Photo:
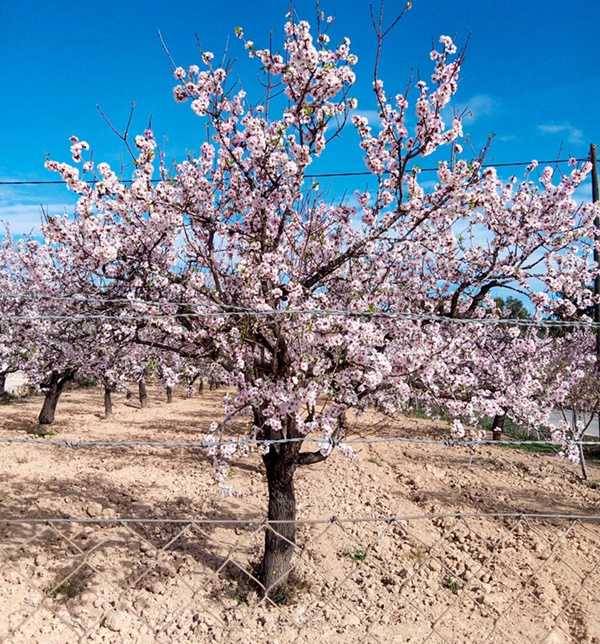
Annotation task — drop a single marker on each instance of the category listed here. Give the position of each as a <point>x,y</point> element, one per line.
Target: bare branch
<point>125,135</point>
<point>166,50</point>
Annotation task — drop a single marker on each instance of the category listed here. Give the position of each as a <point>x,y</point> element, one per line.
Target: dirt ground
<point>406,543</point>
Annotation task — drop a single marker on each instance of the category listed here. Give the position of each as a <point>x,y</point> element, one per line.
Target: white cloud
<point>572,134</point>
<point>20,219</point>
<point>505,138</point>
<point>474,108</point>
<point>477,106</point>
<point>371,115</point>
<point>584,192</point>
<point>25,218</point>
<point>22,206</point>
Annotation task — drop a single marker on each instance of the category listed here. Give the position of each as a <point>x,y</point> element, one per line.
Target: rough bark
<point>108,409</point>
<point>584,471</point>
<point>54,388</point>
<point>280,464</point>
<point>143,393</point>
<point>280,538</point>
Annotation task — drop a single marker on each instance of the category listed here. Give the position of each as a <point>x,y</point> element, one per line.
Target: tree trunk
<point>4,397</point>
<point>169,394</point>
<point>498,426</point>
<point>108,409</point>
<point>54,389</point>
<point>584,472</point>
<point>280,538</point>
<point>143,393</point>
<point>201,386</point>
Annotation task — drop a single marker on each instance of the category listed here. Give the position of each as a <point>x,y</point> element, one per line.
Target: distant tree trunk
<point>54,388</point>
<point>143,393</point>
<point>498,426</point>
<point>4,397</point>
<point>201,386</point>
<point>584,472</point>
<point>108,408</point>
<point>169,394</point>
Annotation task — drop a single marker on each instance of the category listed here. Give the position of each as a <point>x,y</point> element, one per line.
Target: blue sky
<point>530,76</point>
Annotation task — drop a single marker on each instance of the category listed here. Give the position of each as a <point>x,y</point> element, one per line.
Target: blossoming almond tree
<point>12,310</point>
<point>45,341</point>
<point>297,299</point>
<point>43,332</point>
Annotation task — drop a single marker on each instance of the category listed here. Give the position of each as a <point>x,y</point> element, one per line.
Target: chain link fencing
<point>440,579</point>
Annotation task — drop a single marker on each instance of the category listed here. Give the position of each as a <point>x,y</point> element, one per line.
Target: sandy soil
<point>427,575</point>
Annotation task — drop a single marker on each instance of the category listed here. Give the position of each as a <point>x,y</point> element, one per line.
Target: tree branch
<point>310,458</point>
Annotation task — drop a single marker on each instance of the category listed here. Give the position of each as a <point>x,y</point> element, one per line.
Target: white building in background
<point>14,381</point>
<point>556,417</point>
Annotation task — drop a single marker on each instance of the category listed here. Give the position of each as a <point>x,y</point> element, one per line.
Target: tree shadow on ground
<point>42,520</point>
<point>481,489</point>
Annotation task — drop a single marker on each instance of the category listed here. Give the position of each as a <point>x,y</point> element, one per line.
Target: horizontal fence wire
<point>259,520</point>
<point>206,444</point>
<point>259,313</point>
<point>442,578</point>
<point>322,175</point>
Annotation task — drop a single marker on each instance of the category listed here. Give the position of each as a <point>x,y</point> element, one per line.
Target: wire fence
<point>499,576</point>
<point>98,560</point>
<point>189,309</point>
<point>438,578</point>
<point>432,578</point>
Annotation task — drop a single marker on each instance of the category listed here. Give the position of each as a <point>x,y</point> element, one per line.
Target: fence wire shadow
<point>446,578</point>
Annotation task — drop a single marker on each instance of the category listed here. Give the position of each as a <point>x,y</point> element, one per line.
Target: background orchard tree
<point>54,345</point>
<point>47,338</point>
<point>512,308</point>
<point>111,347</point>
<point>313,308</point>
<point>574,368</point>
<point>11,306</point>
